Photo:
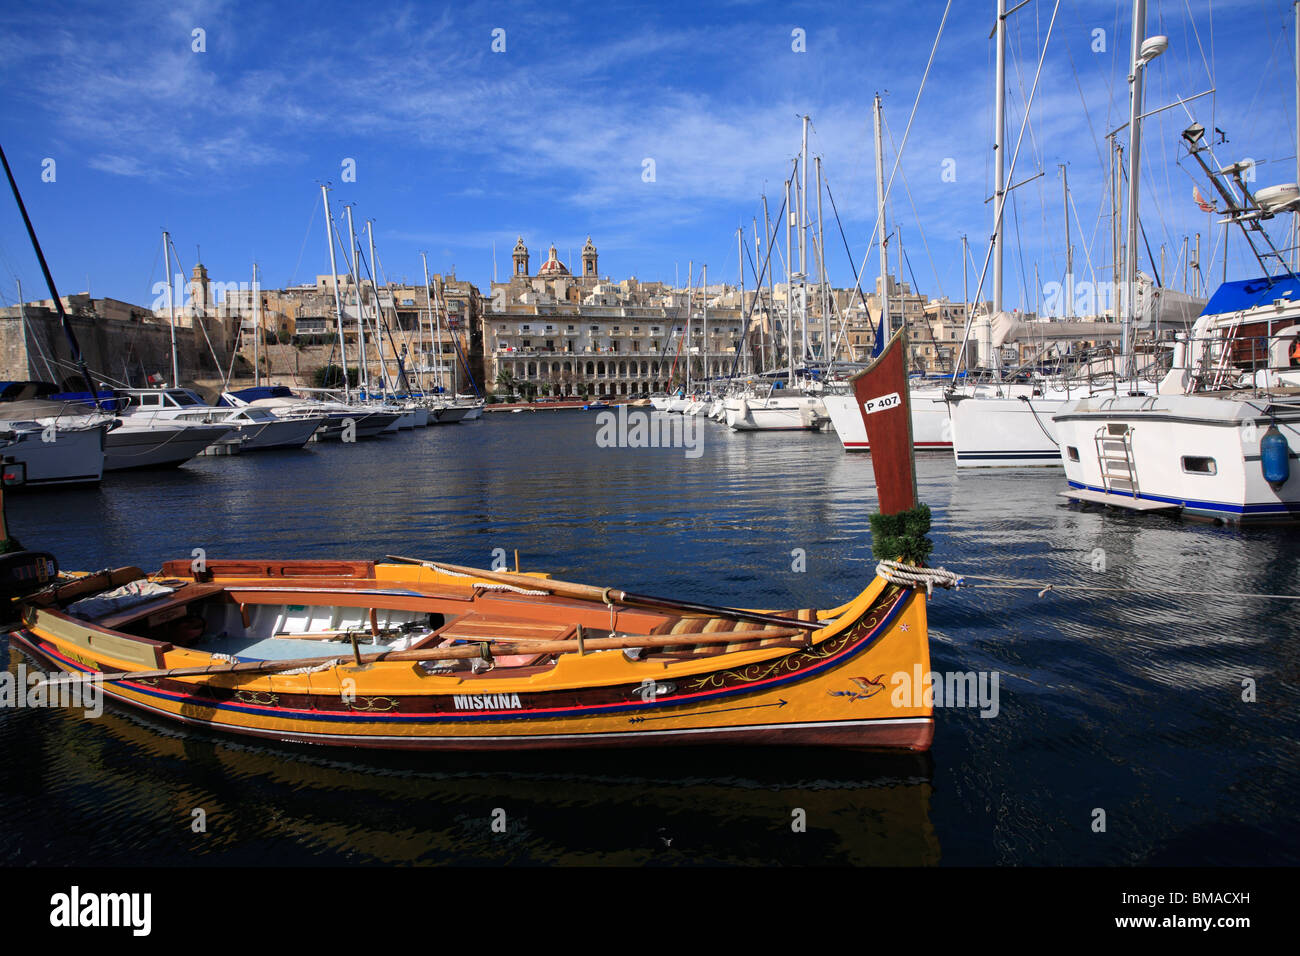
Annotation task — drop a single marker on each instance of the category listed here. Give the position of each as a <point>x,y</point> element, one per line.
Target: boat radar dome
<point>1151,48</point>
<point>1282,198</point>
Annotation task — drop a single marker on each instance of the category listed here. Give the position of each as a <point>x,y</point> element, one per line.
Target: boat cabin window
<point>1199,465</point>
<point>1072,453</point>
<point>181,396</point>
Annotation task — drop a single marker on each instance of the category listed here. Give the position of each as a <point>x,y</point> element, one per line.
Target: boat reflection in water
<point>284,804</point>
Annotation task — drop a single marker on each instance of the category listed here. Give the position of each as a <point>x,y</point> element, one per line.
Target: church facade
<point>557,333</point>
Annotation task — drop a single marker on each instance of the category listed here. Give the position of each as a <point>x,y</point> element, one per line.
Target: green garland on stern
<point>901,536</point>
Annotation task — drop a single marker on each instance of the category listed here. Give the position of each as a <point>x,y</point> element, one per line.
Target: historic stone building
<point>553,332</point>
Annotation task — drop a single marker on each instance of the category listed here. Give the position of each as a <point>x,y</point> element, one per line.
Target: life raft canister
<point>1275,456</point>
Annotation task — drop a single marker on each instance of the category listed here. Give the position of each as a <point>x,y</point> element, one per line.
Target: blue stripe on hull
<point>1213,509</point>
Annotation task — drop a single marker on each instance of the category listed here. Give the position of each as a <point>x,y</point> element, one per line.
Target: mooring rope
<point>1043,588</point>
<point>912,576</point>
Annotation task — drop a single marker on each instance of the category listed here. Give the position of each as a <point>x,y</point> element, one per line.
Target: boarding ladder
<point>1115,459</point>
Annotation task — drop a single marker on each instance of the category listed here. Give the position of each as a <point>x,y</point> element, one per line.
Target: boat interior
<point>257,611</point>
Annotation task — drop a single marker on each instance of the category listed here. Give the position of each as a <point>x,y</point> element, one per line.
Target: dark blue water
<point>1126,703</point>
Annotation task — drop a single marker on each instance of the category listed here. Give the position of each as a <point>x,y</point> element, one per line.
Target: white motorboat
<point>45,443</point>
<point>29,460</point>
<point>157,443</point>
<point>251,428</point>
<point>449,414</point>
<point>341,420</point>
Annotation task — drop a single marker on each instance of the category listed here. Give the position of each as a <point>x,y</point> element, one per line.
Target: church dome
<point>553,266</point>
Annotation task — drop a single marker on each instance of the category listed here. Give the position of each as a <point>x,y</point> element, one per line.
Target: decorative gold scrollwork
<point>374,705</point>
<point>255,697</point>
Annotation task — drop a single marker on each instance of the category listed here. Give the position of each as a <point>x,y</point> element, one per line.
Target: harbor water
<point>1138,722</point>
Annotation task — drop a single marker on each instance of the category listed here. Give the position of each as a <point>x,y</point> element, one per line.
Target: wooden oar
<point>588,592</point>
<point>478,649</point>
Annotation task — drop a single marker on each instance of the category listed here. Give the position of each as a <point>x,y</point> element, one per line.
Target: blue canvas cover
<point>1236,296</point>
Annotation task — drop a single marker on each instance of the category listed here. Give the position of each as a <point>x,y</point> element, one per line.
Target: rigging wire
<point>938,283</point>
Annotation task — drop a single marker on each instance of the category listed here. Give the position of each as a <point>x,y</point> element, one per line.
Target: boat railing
<point>1240,362</point>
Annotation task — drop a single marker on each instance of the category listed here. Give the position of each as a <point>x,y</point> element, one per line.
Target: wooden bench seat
<point>182,596</point>
<point>481,627</point>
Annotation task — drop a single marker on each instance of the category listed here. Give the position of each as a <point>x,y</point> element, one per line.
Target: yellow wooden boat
<point>406,653</point>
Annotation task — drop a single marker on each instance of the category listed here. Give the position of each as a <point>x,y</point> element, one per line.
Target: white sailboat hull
<point>1006,432</point>
<point>930,428</point>
<point>776,414</point>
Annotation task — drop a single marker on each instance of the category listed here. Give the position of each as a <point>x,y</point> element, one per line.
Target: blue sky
<point>457,146</point>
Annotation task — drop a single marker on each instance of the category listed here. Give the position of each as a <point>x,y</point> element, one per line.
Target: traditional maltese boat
<point>421,654</point>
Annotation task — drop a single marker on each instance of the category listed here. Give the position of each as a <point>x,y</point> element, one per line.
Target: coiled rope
<point>909,575</point>
<point>485,587</point>
<point>312,670</point>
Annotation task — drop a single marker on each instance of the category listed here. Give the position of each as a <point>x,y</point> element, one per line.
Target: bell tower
<point>521,258</point>
<point>199,290</point>
<point>589,270</point>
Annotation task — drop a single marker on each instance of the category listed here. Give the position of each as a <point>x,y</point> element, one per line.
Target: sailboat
<point>1012,424</point>
<point>1218,439</point>
<point>410,653</point>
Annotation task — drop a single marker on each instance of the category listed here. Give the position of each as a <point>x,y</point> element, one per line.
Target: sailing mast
<point>1129,296</point>
<point>171,306</point>
<point>363,378</point>
<point>380,325</point>
<point>803,242</point>
<point>338,301</point>
<point>1143,52</point>
<point>1069,250</point>
<point>744,330</point>
<point>821,272</point>
<point>985,347</point>
<point>690,309</point>
<point>257,332</point>
<point>428,303</point>
<point>771,286</point>
<point>885,330</point>
<point>999,159</point>
<point>789,283</point>
<point>704,287</point>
